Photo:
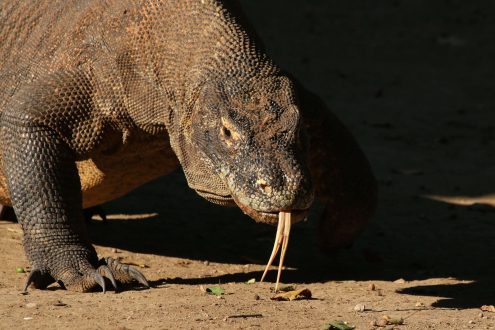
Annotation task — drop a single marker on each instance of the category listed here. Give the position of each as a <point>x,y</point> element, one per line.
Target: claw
<point>281,239</point>
<point>107,273</point>
<point>100,280</point>
<point>127,271</point>
<point>35,273</point>
<point>39,279</point>
<point>135,274</point>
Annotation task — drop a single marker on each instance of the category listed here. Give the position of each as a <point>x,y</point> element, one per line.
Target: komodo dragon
<point>98,97</point>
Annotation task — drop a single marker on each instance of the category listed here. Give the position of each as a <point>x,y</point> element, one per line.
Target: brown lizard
<point>99,97</point>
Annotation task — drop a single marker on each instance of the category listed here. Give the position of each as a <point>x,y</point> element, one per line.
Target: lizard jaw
<point>271,218</point>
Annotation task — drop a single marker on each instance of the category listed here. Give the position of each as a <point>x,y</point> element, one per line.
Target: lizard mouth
<point>272,218</point>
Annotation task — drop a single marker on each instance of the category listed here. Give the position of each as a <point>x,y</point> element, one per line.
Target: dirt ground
<point>411,79</point>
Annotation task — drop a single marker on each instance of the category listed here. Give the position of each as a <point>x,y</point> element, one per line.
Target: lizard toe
<point>74,280</point>
<point>39,279</point>
<point>100,280</point>
<point>124,273</point>
<point>107,273</point>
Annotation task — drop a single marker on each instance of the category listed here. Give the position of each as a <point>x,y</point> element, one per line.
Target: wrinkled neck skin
<point>230,115</point>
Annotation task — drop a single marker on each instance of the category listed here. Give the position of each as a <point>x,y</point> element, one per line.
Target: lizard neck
<point>183,44</point>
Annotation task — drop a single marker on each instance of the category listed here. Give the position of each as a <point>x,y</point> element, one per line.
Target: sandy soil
<point>411,80</point>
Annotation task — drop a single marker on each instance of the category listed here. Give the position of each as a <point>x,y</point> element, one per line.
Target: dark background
<point>414,81</point>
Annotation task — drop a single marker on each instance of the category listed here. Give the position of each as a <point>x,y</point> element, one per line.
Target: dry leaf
<point>488,308</point>
<point>292,295</point>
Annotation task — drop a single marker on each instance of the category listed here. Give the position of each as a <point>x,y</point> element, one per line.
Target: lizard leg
<point>45,189</point>
<point>7,213</point>
<point>344,181</point>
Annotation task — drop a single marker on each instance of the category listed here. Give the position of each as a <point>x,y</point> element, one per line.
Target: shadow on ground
<point>440,242</point>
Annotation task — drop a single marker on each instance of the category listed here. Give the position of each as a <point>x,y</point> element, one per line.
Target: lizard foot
<point>88,279</point>
<point>73,279</point>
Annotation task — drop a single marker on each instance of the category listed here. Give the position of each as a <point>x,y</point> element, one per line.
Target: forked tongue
<point>281,239</point>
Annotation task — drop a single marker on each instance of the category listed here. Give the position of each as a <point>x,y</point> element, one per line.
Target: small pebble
<point>27,318</point>
<point>419,304</point>
<point>359,308</point>
<point>31,305</point>
<point>400,281</point>
<point>206,262</point>
<point>256,297</point>
<point>372,287</point>
<point>480,315</point>
<point>471,322</point>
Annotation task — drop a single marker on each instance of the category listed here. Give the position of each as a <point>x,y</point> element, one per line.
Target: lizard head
<point>249,134</point>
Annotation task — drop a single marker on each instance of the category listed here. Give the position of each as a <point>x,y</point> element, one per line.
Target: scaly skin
<point>99,97</point>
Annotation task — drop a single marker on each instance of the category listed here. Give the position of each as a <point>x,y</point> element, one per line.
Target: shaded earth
<point>411,79</point>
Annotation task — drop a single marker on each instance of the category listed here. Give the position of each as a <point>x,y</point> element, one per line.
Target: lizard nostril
<point>265,187</point>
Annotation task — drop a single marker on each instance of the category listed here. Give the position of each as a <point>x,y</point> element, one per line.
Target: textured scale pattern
<point>99,97</point>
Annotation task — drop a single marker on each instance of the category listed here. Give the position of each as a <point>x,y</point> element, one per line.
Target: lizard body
<point>99,97</point>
